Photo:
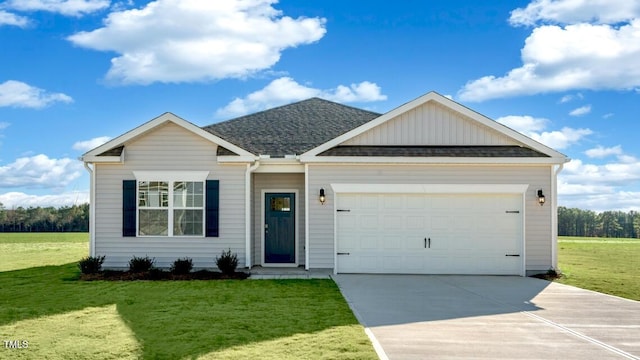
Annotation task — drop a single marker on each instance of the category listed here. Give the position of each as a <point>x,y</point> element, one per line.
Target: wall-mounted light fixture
<point>322,197</point>
<point>541,198</point>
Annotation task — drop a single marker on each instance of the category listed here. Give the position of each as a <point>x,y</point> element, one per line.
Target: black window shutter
<point>212,217</point>
<point>129,208</point>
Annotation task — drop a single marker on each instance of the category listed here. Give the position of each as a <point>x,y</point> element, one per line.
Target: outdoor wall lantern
<point>322,197</point>
<point>541,198</point>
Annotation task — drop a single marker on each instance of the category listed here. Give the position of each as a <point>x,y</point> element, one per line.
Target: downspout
<point>306,216</point>
<point>92,209</point>
<point>247,209</point>
<point>554,218</point>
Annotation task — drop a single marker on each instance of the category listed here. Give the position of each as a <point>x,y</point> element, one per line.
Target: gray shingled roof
<point>291,129</point>
<point>433,151</point>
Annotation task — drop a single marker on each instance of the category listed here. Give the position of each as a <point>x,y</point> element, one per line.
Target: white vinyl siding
<point>537,222</point>
<point>169,148</point>
<point>262,181</point>
<point>431,124</point>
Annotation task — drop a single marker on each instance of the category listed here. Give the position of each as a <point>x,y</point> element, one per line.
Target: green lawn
<point>610,266</point>
<point>25,250</point>
<point>63,318</point>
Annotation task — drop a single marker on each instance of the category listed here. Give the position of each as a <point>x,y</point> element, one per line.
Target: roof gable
<point>433,120</point>
<point>431,124</point>
<point>114,149</point>
<point>291,129</point>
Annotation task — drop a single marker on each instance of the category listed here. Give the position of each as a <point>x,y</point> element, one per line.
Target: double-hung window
<point>172,207</point>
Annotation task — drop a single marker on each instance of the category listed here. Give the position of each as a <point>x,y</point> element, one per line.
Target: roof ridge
<point>291,104</point>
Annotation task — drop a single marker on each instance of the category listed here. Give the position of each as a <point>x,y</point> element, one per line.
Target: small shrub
<point>91,264</point>
<point>182,266</point>
<point>141,264</point>
<point>227,262</point>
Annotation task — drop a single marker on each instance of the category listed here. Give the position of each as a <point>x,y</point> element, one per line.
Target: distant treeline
<point>48,219</point>
<point>571,221</point>
<point>618,224</point>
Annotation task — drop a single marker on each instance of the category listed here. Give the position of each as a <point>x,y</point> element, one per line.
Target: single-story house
<point>430,187</point>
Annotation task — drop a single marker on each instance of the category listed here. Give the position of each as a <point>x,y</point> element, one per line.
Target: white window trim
<point>171,177</point>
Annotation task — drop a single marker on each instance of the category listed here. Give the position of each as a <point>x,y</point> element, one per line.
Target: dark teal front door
<point>280,228</point>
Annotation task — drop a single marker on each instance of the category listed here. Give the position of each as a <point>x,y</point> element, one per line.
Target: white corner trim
<point>306,217</point>
<point>247,213</point>
<point>171,175</point>
<point>431,188</point>
<point>92,208</point>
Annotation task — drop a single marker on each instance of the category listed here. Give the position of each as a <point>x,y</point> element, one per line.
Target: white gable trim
<point>433,96</point>
<point>92,155</point>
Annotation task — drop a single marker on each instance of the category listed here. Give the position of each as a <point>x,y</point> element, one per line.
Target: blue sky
<point>75,73</point>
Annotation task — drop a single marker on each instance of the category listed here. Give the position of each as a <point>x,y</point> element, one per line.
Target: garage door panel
<point>393,222</point>
<point>469,234</point>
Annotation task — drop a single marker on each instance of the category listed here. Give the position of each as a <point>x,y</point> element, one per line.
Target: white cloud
<point>524,124</point>
<point>608,186</point>
<point>7,18</point>
<point>40,171</point>
<point>286,90</point>
<point>561,139</point>
<point>64,7</point>
<point>193,40</point>
<point>574,11</point>
<point>87,145</point>
<point>593,45</point>
<point>607,115</point>
<point>532,127</point>
<point>16,199</point>
<point>583,110</point>
<point>569,97</point>
<point>600,152</point>
<point>4,125</point>
<point>18,94</point>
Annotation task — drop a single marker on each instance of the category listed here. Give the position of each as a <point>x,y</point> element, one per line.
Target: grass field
<point>25,250</point>
<point>63,318</point>
<point>606,265</point>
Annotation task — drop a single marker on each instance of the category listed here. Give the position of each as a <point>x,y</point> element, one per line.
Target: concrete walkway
<point>491,317</point>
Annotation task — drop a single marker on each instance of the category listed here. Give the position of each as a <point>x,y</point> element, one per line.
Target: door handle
<point>427,243</point>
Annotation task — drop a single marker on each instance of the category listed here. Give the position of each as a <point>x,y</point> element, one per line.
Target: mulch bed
<point>550,276</point>
<point>157,274</point>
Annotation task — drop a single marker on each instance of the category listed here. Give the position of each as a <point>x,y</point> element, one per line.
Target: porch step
<point>259,273</point>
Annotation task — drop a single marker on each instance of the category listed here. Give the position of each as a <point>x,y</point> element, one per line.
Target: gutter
<point>247,211</point>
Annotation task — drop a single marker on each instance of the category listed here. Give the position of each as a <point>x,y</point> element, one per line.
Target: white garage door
<point>430,234</point>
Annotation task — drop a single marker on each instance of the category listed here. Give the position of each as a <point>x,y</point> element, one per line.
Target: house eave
<point>235,159</point>
<point>431,160</point>
<point>92,159</point>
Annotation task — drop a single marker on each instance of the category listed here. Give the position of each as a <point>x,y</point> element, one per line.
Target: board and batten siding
<point>278,181</point>
<point>432,124</point>
<point>537,222</point>
<point>168,148</point>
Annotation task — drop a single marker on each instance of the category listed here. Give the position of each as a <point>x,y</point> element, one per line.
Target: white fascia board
<point>164,118</point>
<point>280,168</point>
<point>442,100</point>
<point>431,188</point>
<point>103,159</point>
<point>171,175</point>
<point>230,159</point>
<point>428,160</point>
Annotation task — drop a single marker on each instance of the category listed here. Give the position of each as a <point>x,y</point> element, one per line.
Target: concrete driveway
<point>490,317</point>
